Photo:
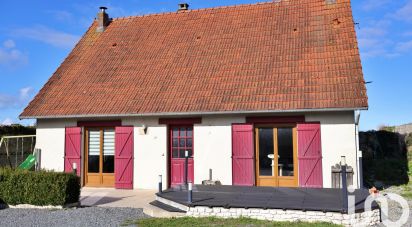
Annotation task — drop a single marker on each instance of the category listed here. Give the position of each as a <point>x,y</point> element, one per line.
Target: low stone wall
<point>358,219</point>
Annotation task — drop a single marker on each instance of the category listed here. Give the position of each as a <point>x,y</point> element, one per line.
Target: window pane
<point>266,151</point>
<point>94,142</point>
<point>175,132</point>
<point>183,132</point>
<point>108,164</point>
<point>285,151</point>
<point>93,163</point>
<point>189,132</point>
<point>182,142</point>
<point>94,151</point>
<point>175,143</point>
<point>188,142</point>
<point>175,153</point>
<point>182,153</point>
<point>108,142</point>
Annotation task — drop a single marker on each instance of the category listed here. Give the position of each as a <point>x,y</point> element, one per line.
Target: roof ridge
<point>196,10</point>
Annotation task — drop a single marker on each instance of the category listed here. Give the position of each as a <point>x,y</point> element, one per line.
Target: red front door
<point>181,140</point>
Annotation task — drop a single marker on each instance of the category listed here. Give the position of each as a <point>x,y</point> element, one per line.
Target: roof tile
<point>287,55</point>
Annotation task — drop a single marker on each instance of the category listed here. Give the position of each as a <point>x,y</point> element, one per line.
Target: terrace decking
<point>304,199</point>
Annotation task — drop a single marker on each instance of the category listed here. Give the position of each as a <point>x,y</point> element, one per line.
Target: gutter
<point>189,113</point>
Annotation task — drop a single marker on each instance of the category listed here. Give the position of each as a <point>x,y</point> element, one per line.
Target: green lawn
<point>212,221</point>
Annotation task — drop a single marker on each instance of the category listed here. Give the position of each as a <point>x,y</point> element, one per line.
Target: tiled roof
<point>273,56</point>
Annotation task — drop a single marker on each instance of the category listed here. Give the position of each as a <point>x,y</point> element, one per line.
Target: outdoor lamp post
<point>160,183</point>
<point>360,170</point>
<point>189,193</point>
<point>74,167</point>
<point>186,166</point>
<point>344,185</point>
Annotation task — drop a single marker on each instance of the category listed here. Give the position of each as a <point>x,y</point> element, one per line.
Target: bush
<point>386,171</point>
<point>17,130</point>
<point>38,188</point>
<point>408,139</point>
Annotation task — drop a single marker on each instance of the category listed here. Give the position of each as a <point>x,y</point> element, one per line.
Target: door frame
<point>278,181</point>
<point>86,158</point>
<point>169,149</point>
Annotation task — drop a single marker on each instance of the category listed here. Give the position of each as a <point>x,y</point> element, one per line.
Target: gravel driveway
<point>89,216</point>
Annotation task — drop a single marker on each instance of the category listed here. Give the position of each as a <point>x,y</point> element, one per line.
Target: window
<point>101,150</point>
<point>181,141</point>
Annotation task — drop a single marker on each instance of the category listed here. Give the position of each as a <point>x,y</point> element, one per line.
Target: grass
<point>407,188</point>
<point>218,222</point>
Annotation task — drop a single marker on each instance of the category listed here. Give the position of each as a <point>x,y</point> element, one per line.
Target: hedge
<point>38,188</point>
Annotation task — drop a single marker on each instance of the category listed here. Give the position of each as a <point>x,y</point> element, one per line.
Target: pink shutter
<point>310,155</point>
<point>123,164</point>
<point>72,149</point>
<point>243,155</point>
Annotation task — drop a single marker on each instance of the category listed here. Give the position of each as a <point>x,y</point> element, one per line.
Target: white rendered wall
<point>338,139</point>
<point>50,135</point>
<point>213,148</point>
<point>150,153</point>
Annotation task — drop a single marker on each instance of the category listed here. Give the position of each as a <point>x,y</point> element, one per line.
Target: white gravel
<point>89,216</point>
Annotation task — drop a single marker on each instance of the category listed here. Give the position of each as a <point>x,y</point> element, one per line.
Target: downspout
<point>358,164</point>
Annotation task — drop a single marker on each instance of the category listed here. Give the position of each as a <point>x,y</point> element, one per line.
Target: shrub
<point>38,188</point>
<point>387,171</point>
<point>408,139</point>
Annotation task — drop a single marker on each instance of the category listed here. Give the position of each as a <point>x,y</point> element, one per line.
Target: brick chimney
<point>102,19</point>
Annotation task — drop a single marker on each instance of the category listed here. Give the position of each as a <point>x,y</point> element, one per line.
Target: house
<point>263,94</point>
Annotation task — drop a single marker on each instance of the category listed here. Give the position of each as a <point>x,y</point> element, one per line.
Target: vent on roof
<point>183,6</point>
<point>102,19</point>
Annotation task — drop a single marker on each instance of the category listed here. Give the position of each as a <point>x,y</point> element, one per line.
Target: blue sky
<point>36,36</point>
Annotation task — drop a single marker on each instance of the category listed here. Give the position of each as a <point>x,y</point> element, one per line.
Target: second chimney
<point>183,7</point>
<point>102,19</point>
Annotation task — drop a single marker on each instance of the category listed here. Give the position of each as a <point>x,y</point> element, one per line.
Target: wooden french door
<point>276,156</point>
<point>99,157</point>
<point>181,140</point>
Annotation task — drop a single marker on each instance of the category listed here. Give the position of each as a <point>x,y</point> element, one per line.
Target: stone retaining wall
<point>358,219</point>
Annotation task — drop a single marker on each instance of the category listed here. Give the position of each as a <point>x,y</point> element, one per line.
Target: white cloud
<point>405,13</point>
<point>7,121</point>
<point>61,15</point>
<point>373,40</point>
<point>47,35</point>
<point>15,101</point>
<point>404,46</point>
<point>373,4</point>
<point>8,44</point>
<point>381,39</point>
<point>10,57</point>
<point>25,93</point>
